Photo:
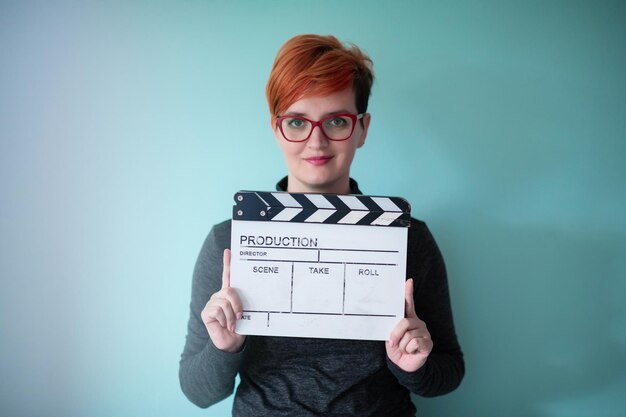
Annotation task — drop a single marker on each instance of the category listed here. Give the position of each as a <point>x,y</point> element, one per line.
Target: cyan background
<point>126,127</point>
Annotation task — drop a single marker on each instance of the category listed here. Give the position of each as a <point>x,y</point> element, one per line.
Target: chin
<point>323,186</point>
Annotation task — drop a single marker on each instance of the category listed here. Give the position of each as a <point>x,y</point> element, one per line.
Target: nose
<point>318,139</point>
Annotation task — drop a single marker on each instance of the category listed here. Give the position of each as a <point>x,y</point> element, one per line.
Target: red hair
<point>315,65</point>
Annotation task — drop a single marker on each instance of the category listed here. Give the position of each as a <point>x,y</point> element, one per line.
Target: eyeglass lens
<point>335,128</point>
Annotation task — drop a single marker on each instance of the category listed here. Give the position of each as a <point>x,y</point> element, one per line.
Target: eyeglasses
<point>336,127</point>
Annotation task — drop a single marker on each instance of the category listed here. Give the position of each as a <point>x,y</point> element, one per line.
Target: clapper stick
<point>319,265</point>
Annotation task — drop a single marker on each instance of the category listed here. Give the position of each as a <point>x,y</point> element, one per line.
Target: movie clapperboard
<point>319,265</point>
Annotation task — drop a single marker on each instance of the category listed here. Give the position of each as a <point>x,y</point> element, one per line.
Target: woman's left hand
<point>409,343</point>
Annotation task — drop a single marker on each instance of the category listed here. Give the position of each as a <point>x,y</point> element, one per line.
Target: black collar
<point>354,187</point>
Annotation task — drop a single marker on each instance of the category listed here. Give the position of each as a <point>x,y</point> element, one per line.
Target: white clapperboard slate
<point>319,265</point>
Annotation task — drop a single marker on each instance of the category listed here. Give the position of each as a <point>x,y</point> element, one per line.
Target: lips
<point>319,160</point>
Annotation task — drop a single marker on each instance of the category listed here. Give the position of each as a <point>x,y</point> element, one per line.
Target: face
<point>320,165</point>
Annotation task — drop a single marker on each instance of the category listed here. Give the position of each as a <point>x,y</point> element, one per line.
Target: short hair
<point>316,65</point>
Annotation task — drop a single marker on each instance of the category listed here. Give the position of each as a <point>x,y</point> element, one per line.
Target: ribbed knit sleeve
<point>207,374</point>
<point>444,369</point>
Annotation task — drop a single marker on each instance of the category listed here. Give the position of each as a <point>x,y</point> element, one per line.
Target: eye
<point>295,123</point>
<point>337,122</point>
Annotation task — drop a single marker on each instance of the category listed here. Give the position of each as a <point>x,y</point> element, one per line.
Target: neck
<point>339,187</point>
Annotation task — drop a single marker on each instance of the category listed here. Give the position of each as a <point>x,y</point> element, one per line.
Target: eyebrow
<point>342,111</point>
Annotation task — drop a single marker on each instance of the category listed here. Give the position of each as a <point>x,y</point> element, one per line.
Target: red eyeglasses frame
<point>319,123</point>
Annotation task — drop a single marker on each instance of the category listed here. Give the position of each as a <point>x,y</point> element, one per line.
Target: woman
<point>318,93</point>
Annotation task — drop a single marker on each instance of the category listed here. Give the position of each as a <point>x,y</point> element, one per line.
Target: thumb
<point>226,270</point>
<point>409,303</point>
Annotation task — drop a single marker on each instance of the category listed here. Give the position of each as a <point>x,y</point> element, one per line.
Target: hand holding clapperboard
<point>319,265</point>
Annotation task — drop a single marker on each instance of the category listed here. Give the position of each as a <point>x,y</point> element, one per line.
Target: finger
<point>415,342</point>
<point>231,317</point>
<point>226,269</point>
<point>233,297</point>
<point>229,313</point>
<point>409,303</point>
<point>409,343</point>
<point>398,332</point>
<point>213,313</point>
<point>404,340</point>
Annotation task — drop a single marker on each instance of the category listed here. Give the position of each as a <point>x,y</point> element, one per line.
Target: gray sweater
<point>283,376</point>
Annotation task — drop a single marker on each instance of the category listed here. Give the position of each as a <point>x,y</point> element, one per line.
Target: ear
<point>367,118</point>
<point>275,130</point>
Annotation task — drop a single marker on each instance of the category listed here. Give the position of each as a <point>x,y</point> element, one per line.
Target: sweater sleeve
<point>444,369</point>
<point>207,374</point>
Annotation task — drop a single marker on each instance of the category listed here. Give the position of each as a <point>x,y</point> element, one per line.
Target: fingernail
<point>239,316</point>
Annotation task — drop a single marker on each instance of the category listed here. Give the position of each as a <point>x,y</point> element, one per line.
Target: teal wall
<point>126,127</point>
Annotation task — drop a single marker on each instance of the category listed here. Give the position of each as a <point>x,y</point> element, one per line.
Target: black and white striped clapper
<point>322,208</point>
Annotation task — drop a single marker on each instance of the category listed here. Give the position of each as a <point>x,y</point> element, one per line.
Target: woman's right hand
<point>221,313</point>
